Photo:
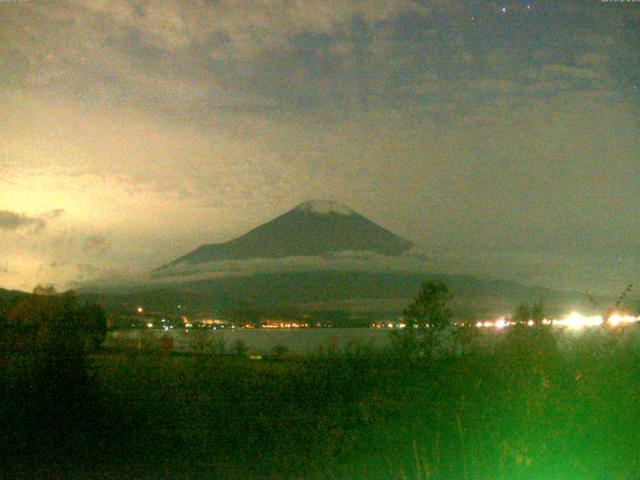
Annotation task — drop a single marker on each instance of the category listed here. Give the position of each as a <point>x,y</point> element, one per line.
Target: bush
<point>280,351</point>
<point>240,348</point>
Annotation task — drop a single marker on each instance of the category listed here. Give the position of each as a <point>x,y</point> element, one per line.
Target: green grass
<point>524,409</point>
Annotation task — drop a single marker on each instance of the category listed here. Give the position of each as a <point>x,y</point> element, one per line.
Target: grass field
<point>526,405</point>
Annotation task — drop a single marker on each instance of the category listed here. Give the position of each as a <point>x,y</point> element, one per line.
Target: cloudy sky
<point>505,136</point>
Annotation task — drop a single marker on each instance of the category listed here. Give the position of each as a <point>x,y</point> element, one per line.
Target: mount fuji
<point>315,228</point>
<point>319,256</point>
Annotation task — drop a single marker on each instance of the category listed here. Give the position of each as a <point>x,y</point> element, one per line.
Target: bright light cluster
<point>573,321</point>
<point>576,321</point>
<point>499,323</point>
<point>616,319</point>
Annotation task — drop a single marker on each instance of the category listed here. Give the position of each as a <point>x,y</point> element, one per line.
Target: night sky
<point>503,136</point>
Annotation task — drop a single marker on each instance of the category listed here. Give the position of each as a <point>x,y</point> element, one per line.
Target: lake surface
<point>262,341</point>
<point>314,340</point>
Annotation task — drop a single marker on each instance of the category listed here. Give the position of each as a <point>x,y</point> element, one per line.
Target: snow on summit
<point>324,207</point>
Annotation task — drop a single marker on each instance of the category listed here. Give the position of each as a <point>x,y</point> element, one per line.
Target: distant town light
<point>576,321</point>
<point>616,319</point>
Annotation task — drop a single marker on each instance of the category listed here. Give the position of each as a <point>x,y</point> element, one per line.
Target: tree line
<point>46,321</point>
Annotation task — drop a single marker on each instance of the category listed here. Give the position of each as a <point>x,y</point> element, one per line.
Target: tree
<point>537,312</point>
<point>45,290</point>
<point>522,313</point>
<point>430,307</point>
<point>46,320</point>
<point>93,325</point>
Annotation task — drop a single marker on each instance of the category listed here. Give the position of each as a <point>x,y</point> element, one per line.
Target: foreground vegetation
<point>527,404</point>
<point>440,403</point>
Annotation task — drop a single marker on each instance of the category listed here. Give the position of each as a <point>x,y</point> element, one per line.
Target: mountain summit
<point>313,228</point>
<point>324,207</point>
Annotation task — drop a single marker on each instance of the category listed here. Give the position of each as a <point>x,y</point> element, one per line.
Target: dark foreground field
<point>530,406</point>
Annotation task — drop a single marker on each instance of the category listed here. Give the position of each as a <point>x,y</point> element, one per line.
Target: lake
<point>261,341</point>
<point>312,340</point>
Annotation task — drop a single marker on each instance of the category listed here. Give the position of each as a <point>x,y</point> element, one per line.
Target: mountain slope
<point>313,228</point>
<point>305,292</point>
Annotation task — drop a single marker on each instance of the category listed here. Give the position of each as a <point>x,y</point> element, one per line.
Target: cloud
<point>279,54</point>
<point>58,212</point>
<point>592,60</point>
<point>241,27</point>
<point>563,72</point>
<point>96,244</point>
<point>88,275</point>
<point>12,221</point>
<point>57,264</point>
<point>88,271</point>
<point>491,87</point>
<point>163,50</point>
